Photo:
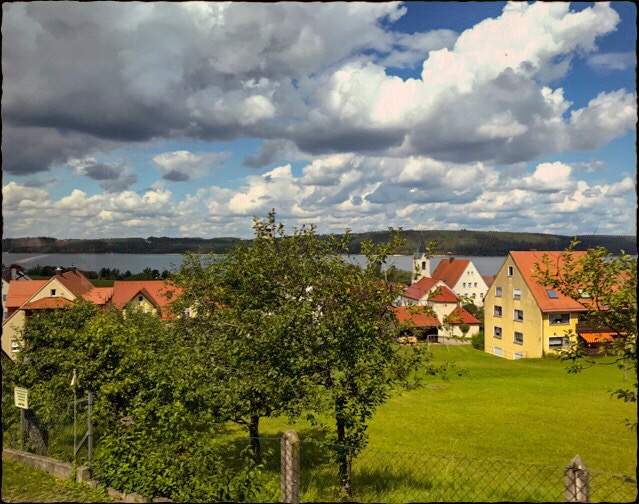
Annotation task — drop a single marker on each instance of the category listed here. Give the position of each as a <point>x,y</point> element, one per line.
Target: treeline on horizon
<point>458,242</point>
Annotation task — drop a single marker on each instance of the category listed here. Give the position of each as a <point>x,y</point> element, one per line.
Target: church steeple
<point>421,262</point>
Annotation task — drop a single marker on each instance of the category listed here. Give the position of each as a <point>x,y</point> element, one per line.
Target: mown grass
<point>530,412</point>
<point>22,483</point>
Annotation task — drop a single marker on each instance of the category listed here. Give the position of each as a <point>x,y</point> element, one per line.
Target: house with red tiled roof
<point>524,319</point>
<point>462,277</point>
<point>442,305</point>
<point>64,288</point>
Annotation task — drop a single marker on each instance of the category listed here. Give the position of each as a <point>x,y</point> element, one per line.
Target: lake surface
<point>137,262</point>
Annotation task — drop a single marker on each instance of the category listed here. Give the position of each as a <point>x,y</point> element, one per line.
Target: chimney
<point>451,259</point>
<point>73,268</point>
<point>58,271</point>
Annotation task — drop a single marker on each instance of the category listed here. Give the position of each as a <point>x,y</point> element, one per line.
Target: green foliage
<point>291,327</point>
<point>464,328</point>
<point>607,286</point>
<point>477,340</point>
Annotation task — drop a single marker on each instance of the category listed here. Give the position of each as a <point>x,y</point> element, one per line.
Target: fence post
<point>576,481</point>
<point>90,427</point>
<point>290,467</point>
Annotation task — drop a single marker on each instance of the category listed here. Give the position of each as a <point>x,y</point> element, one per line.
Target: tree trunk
<point>254,433</point>
<point>342,460</point>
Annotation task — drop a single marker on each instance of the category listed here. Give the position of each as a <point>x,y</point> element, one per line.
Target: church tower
<point>421,262</point>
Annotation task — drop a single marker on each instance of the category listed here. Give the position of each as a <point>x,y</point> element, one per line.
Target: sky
<point>189,119</point>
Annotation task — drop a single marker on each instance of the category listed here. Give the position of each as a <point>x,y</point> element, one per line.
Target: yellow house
<point>523,319</point>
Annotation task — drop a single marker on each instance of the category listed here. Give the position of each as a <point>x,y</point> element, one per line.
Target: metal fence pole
<point>22,429</point>
<point>290,467</point>
<point>576,481</point>
<point>90,427</point>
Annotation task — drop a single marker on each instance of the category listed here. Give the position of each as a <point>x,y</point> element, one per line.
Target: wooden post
<point>576,481</point>
<point>90,427</point>
<point>290,467</point>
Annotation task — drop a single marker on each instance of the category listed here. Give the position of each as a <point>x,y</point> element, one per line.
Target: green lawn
<point>529,411</point>
<point>22,483</point>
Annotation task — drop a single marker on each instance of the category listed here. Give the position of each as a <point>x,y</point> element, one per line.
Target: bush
<point>478,340</point>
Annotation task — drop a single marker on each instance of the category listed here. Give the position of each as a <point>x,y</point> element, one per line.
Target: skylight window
<point>551,293</point>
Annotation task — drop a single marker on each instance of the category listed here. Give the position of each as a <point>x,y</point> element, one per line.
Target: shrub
<point>478,340</point>
<point>464,328</point>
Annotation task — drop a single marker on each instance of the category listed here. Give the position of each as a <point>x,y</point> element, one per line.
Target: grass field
<point>529,412</point>
<point>21,483</point>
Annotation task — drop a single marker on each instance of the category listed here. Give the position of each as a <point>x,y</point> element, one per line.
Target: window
<point>519,315</point>
<point>551,293</point>
<point>497,332</point>
<point>497,351</point>
<point>423,265</point>
<point>52,292</point>
<point>497,311</point>
<point>510,271</point>
<point>475,284</point>
<point>518,355</point>
<point>559,318</point>
<point>464,285</point>
<point>498,291</point>
<point>15,345</point>
<point>516,293</point>
<point>555,342</point>
<point>140,298</point>
<point>519,338</point>
<point>481,295</point>
<point>4,298</point>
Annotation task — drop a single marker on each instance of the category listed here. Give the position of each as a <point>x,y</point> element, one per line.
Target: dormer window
<point>52,292</point>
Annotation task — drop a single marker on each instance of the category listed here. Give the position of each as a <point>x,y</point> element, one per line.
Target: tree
<point>606,285</point>
<point>292,327</point>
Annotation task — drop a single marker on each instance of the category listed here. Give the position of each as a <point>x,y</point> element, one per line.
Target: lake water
<point>137,262</point>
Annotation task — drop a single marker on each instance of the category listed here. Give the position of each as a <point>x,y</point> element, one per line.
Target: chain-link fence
<point>54,432</point>
<point>385,476</point>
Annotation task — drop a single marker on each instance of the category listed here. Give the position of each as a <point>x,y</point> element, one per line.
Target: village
<point>520,317</point>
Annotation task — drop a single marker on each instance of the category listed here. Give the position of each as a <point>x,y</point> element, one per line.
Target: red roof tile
<point>445,295</point>
<point>489,279</point>
<point>75,281</point>
<point>461,316</point>
<point>48,304</point>
<point>418,315</point>
<point>525,263</point>
<point>99,295</point>
<point>21,291</point>
<point>450,270</point>
<point>155,290</point>
<point>418,289</point>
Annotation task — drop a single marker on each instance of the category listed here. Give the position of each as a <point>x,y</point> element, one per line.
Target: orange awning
<point>596,337</point>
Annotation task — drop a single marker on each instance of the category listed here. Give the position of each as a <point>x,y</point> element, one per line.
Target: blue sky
<point>155,119</point>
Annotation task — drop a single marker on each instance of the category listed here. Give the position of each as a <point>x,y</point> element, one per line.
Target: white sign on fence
<point>21,397</point>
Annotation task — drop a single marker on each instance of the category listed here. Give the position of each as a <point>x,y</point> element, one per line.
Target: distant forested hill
<point>479,243</point>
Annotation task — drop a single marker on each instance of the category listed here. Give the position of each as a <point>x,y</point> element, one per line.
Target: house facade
<point>462,277</point>
<point>523,319</point>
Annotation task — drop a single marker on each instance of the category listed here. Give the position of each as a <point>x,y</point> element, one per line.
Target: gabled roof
<point>418,315</point>
<point>21,291</point>
<point>75,281</point>
<point>461,316</point>
<point>50,303</point>
<point>155,291</point>
<point>445,295</point>
<point>450,270</point>
<point>525,262</point>
<point>418,289</point>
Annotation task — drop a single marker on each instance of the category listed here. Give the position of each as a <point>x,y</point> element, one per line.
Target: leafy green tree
<point>294,327</point>
<point>607,286</point>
